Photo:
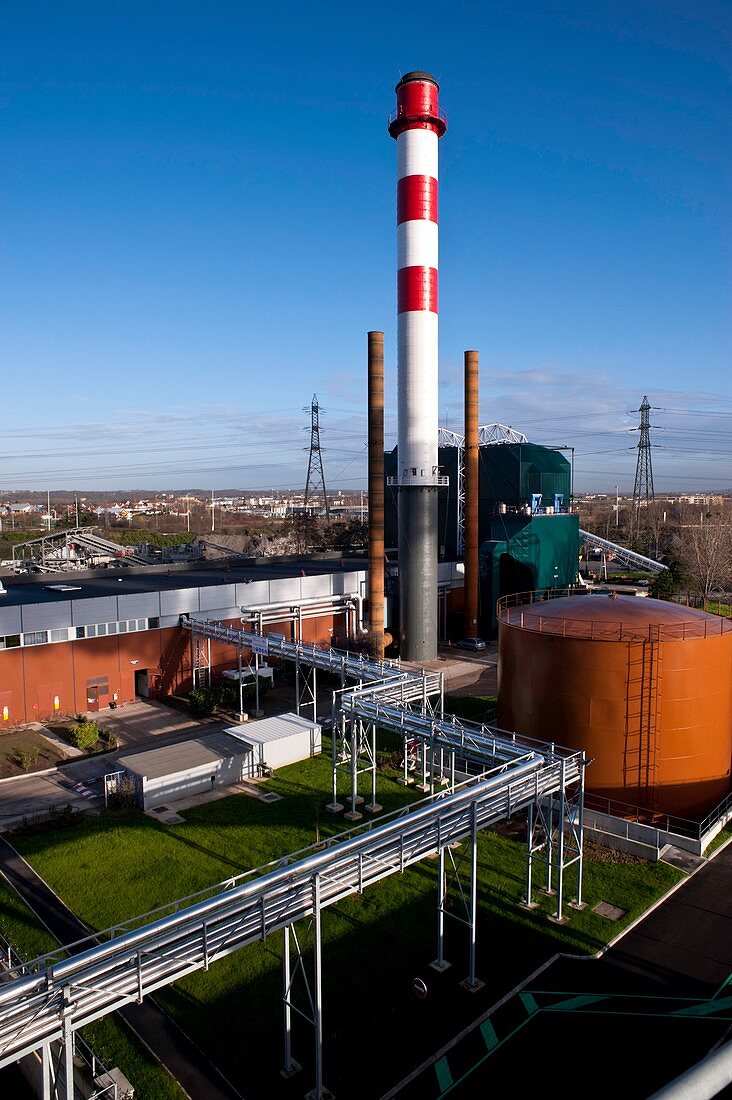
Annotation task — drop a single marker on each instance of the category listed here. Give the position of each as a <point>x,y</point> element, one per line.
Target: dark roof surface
<point>129,581</point>
<point>614,617</point>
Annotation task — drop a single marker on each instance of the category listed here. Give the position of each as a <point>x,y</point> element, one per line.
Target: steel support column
<point>338,735</point>
<point>561,815</point>
<point>306,688</point>
<point>68,1055</point>
<point>353,814</point>
<point>472,983</point>
<point>373,806</point>
<point>554,833</point>
<point>290,1066</point>
<point>47,1069</point>
<point>440,964</point>
<point>528,902</point>
<point>241,686</point>
<point>319,1092</point>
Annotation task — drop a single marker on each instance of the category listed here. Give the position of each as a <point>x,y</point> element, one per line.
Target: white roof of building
<point>182,757</point>
<point>272,729</point>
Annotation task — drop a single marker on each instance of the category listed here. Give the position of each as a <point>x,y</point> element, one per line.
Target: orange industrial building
<point>78,642</point>
<point>643,686</point>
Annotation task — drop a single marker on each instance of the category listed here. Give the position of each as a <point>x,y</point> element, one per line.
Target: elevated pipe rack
<point>64,990</point>
<point>55,995</point>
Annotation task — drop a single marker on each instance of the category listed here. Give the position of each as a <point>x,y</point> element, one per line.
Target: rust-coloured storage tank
<point>643,686</point>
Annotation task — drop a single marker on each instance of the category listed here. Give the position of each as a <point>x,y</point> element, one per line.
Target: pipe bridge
<point>53,996</point>
<point>47,1000</point>
<point>389,696</point>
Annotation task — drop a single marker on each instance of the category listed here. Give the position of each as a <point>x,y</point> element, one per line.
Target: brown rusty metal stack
<point>376,490</point>
<point>471,494</point>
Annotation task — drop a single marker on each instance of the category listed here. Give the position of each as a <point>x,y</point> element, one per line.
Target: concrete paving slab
<point>467,673</point>
<point>139,723</point>
<point>677,857</point>
<point>166,815</point>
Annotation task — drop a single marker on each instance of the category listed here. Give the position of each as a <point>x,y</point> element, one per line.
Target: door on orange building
<point>50,701</point>
<point>92,697</point>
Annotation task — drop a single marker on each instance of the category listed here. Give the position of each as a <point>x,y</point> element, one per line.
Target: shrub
<point>204,700</point>
<point>125,796</point>
<point>108,739</point>
<point>83,735</point>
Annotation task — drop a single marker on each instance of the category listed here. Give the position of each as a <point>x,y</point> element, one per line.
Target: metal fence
<point>664,822</point>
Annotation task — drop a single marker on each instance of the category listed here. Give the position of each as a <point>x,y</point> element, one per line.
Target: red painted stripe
<point>418,109</point>
<point>416,199</point>
<point>416,289</point>
<point>418,98</point>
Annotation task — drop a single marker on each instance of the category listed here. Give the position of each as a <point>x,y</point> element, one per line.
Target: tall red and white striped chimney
<point>417,124</point>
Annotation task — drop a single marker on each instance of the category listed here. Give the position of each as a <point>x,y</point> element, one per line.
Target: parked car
<point>471,643</point>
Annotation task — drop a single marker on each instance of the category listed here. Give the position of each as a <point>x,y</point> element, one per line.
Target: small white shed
<point>274,742</point>
<point>188,768</point>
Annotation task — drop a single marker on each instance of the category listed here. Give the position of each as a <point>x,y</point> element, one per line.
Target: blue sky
<point>198,208</point>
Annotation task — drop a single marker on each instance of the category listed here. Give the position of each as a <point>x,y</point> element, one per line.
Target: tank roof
<point>608,617</point>
<point>416,75</point>
<point>603,607</point>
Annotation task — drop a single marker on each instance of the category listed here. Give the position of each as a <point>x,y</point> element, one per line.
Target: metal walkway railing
<point>386,692</point>
<point>58,995</point>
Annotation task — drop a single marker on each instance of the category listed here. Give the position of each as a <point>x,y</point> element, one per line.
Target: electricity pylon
<point>643,496</point>
<point>315,482</point>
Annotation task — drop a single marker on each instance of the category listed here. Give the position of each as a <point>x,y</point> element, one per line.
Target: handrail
<point>606,630</point>
<point>425,116</point>
<point>12,961</point>
<point>73,991</point>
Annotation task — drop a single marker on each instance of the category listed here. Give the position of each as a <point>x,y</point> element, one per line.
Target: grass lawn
<point>475,708</point>
<point>721,838</point>
<point>718,608</point>
<point>375,944</point>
